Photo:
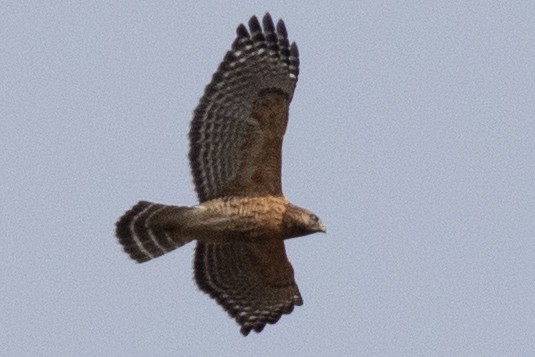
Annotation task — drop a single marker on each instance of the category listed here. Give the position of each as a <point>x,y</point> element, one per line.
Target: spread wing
<point>237,128</point>
<point>252,281</point>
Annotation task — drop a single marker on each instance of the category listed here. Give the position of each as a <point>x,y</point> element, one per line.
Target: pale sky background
<point>411,134</point>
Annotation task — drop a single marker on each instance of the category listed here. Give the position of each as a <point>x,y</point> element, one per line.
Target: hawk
<point>243,217</point>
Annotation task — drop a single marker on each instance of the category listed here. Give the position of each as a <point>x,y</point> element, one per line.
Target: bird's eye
<point>314,218</point>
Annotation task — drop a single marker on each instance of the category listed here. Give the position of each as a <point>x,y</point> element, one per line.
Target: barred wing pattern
<point>253,281</point>
<point>235,153</point>
<point>235,150</point>
<point>237,128</point>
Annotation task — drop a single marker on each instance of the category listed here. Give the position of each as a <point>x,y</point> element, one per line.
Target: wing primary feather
<point>267,21</point>
<point>254,26</point>
<point>281,29</point>
<point>241,31</point>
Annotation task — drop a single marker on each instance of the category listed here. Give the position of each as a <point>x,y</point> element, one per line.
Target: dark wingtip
<point>259,328</point>
<point>281,29</point>
<point>267,22</point>
<point>254,25</point>
<point>245,331</point>
<point>294,51</point>
<point>241,31</point>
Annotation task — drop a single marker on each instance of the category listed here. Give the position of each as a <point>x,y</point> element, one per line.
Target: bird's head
<point>299,222</point>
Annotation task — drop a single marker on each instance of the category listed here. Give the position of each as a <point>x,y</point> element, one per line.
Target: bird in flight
<point>242,218</point>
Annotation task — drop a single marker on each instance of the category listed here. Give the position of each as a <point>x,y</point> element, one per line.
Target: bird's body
<point>243,218</point>
<point>222,219</point>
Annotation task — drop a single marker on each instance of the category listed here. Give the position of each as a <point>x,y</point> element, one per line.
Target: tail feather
<point>149,230</point>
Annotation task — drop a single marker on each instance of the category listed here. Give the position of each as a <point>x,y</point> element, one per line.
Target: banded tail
<point>149,230</point>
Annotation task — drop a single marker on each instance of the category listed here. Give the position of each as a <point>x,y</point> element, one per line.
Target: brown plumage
<point>235,154</point>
